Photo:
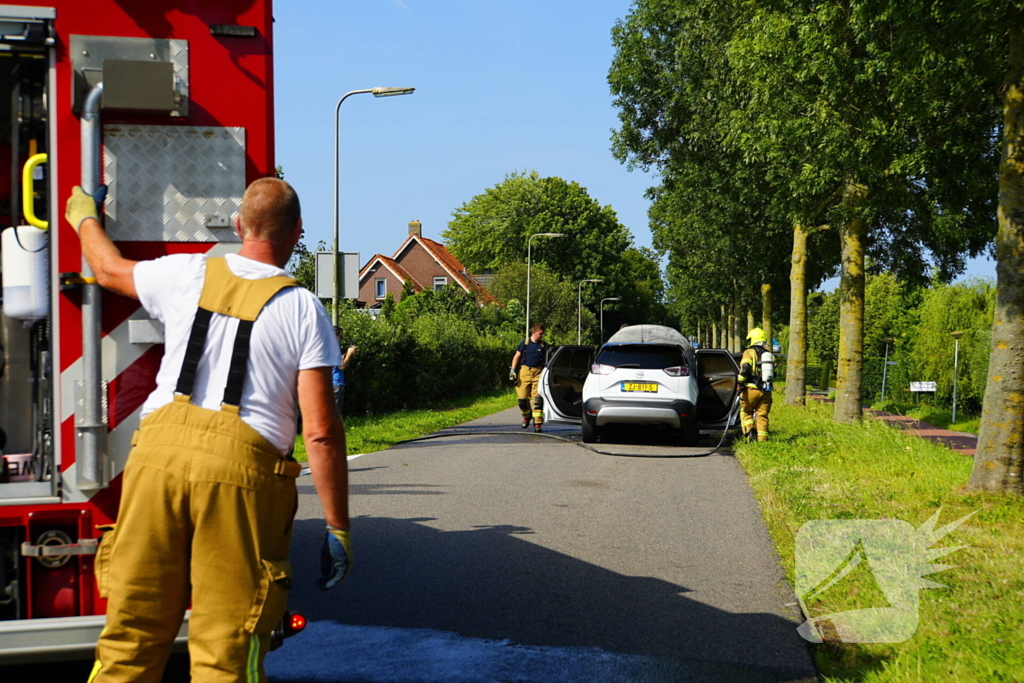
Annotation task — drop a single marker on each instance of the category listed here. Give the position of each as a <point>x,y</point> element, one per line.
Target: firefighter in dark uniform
<point>530,354</point>
<point>755,390</point>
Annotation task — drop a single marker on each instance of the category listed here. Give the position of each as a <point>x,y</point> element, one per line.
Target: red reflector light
<point>296,622</point>
<point>684,414</point>
<point>591,412</point>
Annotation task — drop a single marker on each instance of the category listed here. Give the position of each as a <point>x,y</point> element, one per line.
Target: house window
<point>440,282</point>
<point>381,285</point>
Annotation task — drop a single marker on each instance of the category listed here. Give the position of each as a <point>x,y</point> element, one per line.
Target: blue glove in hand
<point>335,558</point>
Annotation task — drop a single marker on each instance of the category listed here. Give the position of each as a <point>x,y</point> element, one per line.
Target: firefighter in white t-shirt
<point>209,490</point>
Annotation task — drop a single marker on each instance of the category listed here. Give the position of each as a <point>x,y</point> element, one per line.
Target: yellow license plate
<point>647,387</point>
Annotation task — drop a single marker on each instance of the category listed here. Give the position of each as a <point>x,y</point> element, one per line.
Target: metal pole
<point>885,367</point>
<point>956,362</point>
<point>336,294</point>
<point>90,424</point>
<point>579,313</point>
<point>579,307</point>
<point>529,244</point>
<point>611,298</point>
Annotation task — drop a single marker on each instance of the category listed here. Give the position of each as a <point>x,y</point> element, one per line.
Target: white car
<point>643,375</point>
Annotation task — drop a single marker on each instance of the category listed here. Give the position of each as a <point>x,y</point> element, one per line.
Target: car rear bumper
<point>675,413</point>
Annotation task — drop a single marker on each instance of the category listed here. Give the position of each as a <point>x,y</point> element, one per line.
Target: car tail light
<point>678,371</point>
<point>599,369</point>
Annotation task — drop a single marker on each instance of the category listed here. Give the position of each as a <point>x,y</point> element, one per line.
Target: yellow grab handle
<point>27,193</point>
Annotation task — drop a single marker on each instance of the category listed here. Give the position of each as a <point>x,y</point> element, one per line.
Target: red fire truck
<point>170,104</point>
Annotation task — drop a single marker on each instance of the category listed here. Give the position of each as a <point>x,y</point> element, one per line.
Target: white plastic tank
<point>25,267</point>
<point>767,367</point>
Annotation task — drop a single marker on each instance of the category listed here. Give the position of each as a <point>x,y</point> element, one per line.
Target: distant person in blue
<point>529,359</point>
<point>338,373</point>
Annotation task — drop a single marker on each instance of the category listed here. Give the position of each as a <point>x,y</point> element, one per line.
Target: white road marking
<point>305,470</point>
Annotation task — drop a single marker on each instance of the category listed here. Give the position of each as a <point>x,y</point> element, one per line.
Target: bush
<point>446,355</point>
<point>437,356</point>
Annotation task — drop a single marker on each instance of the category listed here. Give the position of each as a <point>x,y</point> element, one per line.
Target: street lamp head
<point>551,234</point>
<point>391,92</point>
<point>594,280</point>
<point>888,340</point>
<point>612,298</point>
<point>956,335</point>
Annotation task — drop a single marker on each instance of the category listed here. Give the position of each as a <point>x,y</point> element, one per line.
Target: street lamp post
<point>611,298</point>
<point>529,245</point>
<point>579,308</point>
<point>885,363</point>
<point>376,92</point>
<point>956,362</point>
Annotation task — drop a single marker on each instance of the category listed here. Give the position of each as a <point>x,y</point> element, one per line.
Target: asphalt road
<point>522,558</point>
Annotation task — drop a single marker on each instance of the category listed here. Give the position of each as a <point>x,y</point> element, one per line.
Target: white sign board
<point>924,387</point>
<point>349,274</point>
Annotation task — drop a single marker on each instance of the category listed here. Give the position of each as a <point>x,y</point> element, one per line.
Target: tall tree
<point>553,301</point>
<point>833,85</point>
<point>492,229</point>
<point>999,459</point>
<point>722,213</point>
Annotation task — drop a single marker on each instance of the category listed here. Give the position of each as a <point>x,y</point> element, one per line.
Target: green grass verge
<point>973,630</point>
<point>369,433</point>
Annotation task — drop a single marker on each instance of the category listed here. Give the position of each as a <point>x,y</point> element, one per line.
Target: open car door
<point>561,383</point>
<point>718,403</point>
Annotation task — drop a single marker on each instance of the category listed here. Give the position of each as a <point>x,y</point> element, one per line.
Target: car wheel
<point>689,435</point>
<point>588,430</point>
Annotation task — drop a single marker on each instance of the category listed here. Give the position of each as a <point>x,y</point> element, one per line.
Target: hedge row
<point>435,358</point>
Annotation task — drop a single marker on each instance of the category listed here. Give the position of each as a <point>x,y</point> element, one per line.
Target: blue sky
<point>501,86</point>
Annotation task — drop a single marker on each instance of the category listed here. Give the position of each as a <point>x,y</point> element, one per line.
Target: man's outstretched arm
<point>113,271</point>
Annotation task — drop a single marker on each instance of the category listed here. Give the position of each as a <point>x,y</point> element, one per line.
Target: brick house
<point>428,264</point>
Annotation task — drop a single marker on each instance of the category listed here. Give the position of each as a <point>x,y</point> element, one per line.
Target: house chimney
<point>416,228</point>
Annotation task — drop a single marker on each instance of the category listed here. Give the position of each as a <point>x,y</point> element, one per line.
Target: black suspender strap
<point>239,361</point>
<point>194,352</point>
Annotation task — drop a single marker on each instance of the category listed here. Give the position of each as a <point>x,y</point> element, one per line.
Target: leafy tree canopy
<point>492,229</point>
<point>553,301</point>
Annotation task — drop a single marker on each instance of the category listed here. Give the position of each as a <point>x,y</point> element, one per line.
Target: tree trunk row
<point>1000,453</point>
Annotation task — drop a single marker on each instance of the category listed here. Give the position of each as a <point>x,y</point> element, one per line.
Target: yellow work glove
<point>335,557</point>
<point>81,206</point>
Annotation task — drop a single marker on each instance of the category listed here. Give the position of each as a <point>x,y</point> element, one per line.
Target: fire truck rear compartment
<point>26,400</point>
<point>28,585</point>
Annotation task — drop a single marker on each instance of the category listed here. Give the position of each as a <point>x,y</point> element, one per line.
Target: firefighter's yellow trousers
<point>528,393</point>
<point>206,514</point>
<point>754,408</point>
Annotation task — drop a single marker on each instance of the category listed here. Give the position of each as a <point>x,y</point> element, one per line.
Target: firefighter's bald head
<point>270,211</point>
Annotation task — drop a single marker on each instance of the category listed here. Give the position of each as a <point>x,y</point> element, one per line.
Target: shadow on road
<point>495,583</point>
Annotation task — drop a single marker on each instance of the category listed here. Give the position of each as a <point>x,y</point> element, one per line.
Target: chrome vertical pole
<point>91,423</point>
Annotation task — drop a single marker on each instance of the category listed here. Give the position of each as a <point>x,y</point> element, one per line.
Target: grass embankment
<point>369,433</point>
<point>816,469</point>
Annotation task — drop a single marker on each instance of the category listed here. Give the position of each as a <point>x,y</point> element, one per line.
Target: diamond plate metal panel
<point>173,183</point>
